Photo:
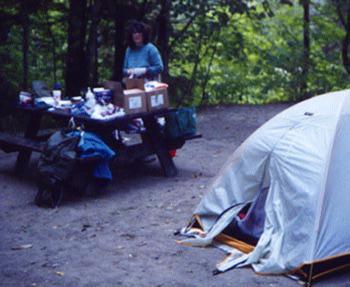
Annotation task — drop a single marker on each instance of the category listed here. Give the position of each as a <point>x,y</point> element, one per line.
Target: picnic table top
<point>92,122</point>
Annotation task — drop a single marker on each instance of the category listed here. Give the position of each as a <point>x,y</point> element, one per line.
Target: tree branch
<point>181,33</point>
<point>341,16</point>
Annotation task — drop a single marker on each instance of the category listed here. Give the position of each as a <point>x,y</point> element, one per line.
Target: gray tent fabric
<point>303,155</point>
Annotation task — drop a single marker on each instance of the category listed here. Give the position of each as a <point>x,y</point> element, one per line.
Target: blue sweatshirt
<point>90,146</point>
<point>147,57</point>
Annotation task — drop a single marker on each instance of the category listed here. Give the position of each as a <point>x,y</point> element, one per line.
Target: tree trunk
<point>92,46</point>
<point>54,45</point>
<point>119,49</point>
<point>76,72</point>
<point>346,43</point>
<point>25,43</point>
<point>189,91</point>
<point>163,32</point>
<point>122,12</point>
<point>306,50</point>
<point>205,97</point>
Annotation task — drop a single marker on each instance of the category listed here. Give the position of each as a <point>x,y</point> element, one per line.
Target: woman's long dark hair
<point>137,27</point>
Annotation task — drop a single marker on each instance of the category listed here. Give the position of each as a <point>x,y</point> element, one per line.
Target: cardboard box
<point>134,101</point>
<point>117,89</point>
<point>157,99</point>
<point>134,83</point>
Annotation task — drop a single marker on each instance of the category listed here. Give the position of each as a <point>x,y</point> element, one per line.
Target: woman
<point>142,58</point>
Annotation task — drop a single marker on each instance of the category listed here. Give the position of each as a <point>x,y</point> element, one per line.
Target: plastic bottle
<point>57,93</point>
<point>90,101</point>
<point>89,94</point>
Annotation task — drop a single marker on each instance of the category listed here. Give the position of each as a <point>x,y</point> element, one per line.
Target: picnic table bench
<point>12,143</point>
<point>152,142</point>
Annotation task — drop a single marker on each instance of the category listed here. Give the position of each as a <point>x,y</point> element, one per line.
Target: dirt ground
<point>124,236</point>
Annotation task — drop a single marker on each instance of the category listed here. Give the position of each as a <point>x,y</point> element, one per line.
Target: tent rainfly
<point>281,202</point>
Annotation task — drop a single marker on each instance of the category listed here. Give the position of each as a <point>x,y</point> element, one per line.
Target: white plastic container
<point>90,101</point>
<point>57,94</point>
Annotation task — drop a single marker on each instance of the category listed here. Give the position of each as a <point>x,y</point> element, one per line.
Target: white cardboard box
<point>134,101</point>
<point>157,99</point>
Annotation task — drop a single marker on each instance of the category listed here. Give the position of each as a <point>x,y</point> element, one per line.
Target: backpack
<point>41,89</point>
<point>55,166</point>
<point>180,123</point>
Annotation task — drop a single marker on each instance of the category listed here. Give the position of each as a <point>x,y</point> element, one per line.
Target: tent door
<point>249,224</point>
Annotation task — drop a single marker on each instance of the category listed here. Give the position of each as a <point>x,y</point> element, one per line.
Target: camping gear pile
<point>281,202</point>
<point>72,159</point>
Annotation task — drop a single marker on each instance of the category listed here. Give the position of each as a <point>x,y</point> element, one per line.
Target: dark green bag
<point>55,166</point>
<point>59,156</point>
<point>181,123</point>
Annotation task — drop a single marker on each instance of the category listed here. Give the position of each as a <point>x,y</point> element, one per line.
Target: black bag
<point>55,166</point>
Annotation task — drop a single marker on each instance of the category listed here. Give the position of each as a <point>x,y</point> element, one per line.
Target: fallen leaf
<point>20,247</point>
<point>85,226</point>
<point>128,236</point>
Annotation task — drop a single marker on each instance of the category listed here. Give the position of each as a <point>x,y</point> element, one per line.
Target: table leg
<point>158,143</point>
<point>32,129</point>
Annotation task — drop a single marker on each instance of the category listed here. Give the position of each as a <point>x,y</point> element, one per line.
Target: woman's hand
<point>137,72</point>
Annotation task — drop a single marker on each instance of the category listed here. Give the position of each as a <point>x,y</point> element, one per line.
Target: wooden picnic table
<point>152,142</point>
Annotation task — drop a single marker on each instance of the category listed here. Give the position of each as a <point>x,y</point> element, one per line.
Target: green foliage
<point>259,56</point>
<point>47,24</point>
<point>220,51</point>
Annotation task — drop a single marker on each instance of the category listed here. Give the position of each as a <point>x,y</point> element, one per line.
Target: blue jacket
<point>91,145</point>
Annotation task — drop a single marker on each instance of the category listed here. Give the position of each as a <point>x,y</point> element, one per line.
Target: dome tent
<point>280,203</point>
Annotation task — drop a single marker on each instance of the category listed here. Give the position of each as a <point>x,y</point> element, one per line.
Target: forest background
<point>214,51</point>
